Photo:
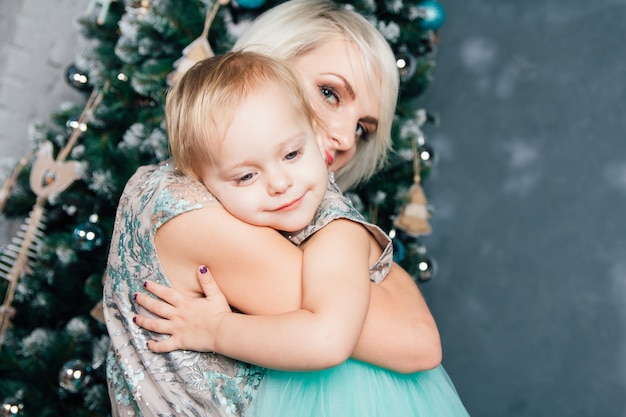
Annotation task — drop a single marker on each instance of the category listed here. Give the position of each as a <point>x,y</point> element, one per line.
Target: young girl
<point>261,157</point>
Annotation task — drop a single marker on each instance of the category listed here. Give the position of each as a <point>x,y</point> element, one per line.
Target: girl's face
<point>269,169</point>
<point>344,99</point>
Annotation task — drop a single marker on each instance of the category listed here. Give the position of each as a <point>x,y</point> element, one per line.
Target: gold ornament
<point>197,50</point>
<point>414,216</point>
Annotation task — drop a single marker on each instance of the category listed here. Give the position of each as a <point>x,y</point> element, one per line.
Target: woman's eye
<point>329,94</point>
<point>361,131</point>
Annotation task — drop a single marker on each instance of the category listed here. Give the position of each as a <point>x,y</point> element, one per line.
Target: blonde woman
<point>259,274</point>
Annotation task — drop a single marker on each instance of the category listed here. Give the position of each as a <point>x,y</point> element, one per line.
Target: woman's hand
<point>191,322</point>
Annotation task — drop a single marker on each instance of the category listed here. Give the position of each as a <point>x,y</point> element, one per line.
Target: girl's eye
<point>243,178</point>
<point>329,94</point>
<point>292,155</point>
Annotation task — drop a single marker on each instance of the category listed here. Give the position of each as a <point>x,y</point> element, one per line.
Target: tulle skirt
<point>356,389</point>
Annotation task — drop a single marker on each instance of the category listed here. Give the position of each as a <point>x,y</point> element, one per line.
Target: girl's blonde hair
<point>202,104</point>
<point>296,27</point>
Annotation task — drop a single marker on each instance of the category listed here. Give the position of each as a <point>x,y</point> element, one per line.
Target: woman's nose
<point>342,137</point>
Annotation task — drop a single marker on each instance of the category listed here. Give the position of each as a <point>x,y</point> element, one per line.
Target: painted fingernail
<point>145,284</point>
<point>135,319</point>
<point>135,296</point>
<point>203,269</point>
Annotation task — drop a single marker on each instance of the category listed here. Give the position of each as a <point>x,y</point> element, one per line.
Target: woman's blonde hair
<point>202,104</point>
<point>296,27</point>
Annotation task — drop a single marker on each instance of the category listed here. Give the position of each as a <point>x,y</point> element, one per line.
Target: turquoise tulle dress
<point>354,388</point>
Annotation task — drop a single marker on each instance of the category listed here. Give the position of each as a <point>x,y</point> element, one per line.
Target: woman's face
<point>344,99</point>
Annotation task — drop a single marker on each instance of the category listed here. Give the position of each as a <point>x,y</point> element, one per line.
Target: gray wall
<point>529,196</point>
<point>529,191</point>
<point>37,42</point>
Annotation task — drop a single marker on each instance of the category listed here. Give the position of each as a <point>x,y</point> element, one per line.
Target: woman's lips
<point>329,159</point>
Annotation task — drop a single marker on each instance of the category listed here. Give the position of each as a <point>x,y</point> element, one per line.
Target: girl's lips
<point>290,206</point>
<point>329,159</point>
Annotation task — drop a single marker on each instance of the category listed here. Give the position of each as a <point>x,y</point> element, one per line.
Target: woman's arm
<point>399,331</point>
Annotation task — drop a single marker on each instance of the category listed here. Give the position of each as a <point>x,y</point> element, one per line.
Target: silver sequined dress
<point>180,383</point>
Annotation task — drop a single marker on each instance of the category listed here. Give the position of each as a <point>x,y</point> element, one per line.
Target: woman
<point>262,281</point>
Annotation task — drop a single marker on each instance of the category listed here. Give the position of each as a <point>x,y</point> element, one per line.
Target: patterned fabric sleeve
<point>338,206</point>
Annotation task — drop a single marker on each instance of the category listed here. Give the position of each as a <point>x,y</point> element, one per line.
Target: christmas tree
<point>52,340</point>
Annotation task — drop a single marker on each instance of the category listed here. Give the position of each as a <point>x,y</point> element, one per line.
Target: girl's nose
<point>278,182</point>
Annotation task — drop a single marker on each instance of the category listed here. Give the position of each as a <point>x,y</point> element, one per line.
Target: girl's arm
<point>260,278</point>
<point>334,305</point>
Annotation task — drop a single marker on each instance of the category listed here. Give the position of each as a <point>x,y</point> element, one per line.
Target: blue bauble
<point>77,78</point>
<point>432,15</point>
<point>89,235</point>
<point>250,4</point>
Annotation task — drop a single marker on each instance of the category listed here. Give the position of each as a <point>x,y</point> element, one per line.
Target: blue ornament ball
<point>89,235</point>
<point>77,78</point>
<point>250,4</point>
<point>432,15</point>
<point>74,376</point>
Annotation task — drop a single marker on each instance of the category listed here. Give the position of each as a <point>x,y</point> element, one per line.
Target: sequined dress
<point>142,383</point>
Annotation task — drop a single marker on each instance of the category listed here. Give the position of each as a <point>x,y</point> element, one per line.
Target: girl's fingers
<point>153,325</point>
<point>167,294</point>
<point>154,306</point>
<point>164,346</point>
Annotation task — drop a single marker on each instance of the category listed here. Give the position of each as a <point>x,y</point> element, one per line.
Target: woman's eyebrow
<point>347,86</point>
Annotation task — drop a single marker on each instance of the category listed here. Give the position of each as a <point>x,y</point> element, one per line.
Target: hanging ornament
<point>407,65</point>
<point>197,50</point>
<point>431,15</point>
<point>104,9</point>
<point>74,376</point>
<point>89,235</point>
<point>77,78</point>
<point>249,4</point>
<point>413,218</point>
<point>12,407</point>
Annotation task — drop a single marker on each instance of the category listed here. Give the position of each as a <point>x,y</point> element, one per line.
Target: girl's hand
<point>191,322</point>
